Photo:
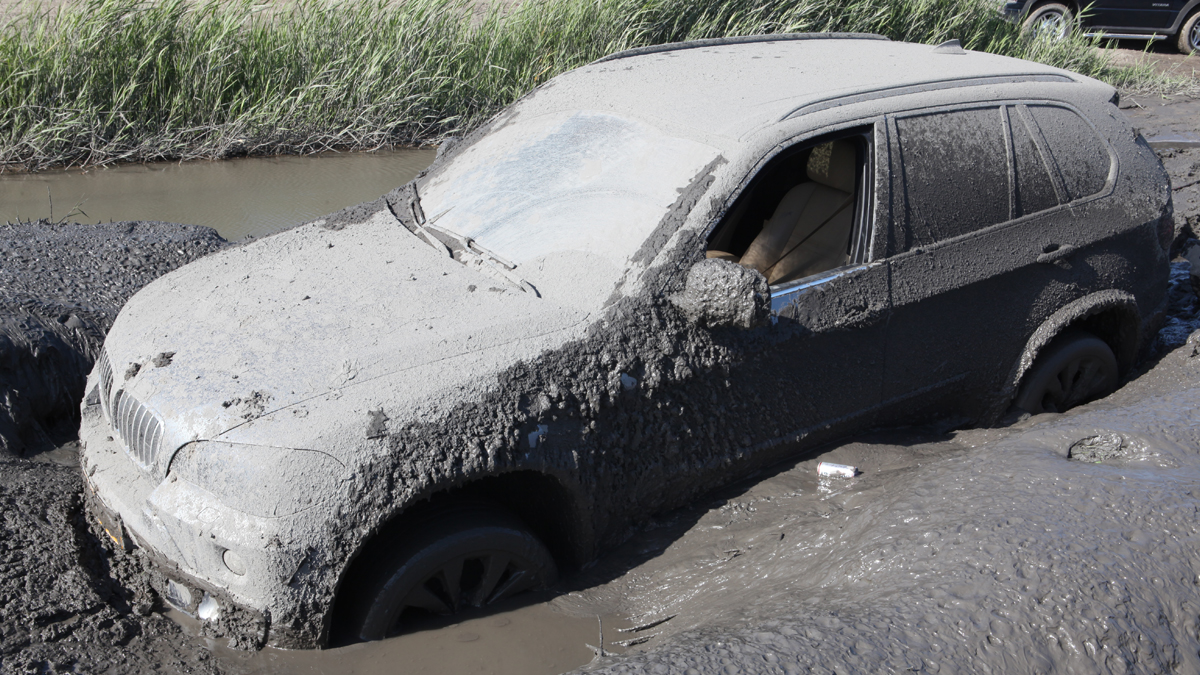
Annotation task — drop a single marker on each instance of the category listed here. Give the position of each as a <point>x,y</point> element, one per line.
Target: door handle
<point>1053,253</point>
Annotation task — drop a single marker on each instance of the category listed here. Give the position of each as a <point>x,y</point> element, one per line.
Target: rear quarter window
<point>1080,155</point>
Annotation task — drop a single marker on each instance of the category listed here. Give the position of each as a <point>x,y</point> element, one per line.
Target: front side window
<point>797,217</point>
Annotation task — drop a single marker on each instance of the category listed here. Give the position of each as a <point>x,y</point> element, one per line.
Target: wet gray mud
<point>61,608</point>
<point>530,639</point>
<point>1063,543</point>
<point>61,286</point>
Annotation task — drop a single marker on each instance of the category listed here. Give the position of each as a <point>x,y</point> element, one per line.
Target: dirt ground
<point>1162,54</point>
<point>1056,543</point>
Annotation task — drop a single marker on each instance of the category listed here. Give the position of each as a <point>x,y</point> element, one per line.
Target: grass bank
<point>103,81</point>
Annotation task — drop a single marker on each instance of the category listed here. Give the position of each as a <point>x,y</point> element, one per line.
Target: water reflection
<point>253,196</point>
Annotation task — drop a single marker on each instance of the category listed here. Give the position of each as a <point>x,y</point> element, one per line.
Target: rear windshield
<point>585,181</point>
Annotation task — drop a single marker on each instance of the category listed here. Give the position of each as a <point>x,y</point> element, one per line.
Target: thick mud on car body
<point>647,278</point>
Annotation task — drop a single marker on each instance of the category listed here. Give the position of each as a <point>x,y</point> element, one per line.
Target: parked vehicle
<point>649,277</point>
<point>1175,20</point>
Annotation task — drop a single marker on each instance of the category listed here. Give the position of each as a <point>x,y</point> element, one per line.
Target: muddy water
<point>252,196</point>
<point>545,638</point>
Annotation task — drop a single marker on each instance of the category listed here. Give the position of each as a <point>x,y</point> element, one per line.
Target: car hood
<point>304,338</point>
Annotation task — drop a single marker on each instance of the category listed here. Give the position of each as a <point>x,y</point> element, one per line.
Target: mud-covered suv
<point>647,278</point>
<point>1175,20</point>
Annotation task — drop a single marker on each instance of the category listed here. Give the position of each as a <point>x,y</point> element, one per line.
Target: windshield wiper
<point>463,249</point>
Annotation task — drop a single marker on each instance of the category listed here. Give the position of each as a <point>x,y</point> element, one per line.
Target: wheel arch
<point>1072,5</point>
<point>555,513</point>
<point>1184,14</point>
<point>1111,315</point>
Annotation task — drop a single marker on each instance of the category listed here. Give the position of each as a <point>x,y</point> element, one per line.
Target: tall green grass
<point>103,81</point>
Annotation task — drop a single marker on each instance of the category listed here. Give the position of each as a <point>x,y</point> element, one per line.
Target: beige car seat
<point>810,229</point>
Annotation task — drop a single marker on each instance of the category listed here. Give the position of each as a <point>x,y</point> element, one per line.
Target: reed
<point>99,81</point>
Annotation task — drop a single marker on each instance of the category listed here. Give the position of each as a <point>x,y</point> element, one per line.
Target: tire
<point>1076,367</point>
<point>455,559</point>
<point>1189,35</point>
<point>1051,21</point>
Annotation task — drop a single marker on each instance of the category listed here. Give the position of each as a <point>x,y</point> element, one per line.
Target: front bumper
<point>190,538</point>
<point>220,615</point>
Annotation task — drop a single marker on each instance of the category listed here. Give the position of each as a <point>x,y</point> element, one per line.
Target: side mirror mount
<point>721,293</point>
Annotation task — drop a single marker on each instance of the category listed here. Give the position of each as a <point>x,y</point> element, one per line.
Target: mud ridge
<point>61,286</point>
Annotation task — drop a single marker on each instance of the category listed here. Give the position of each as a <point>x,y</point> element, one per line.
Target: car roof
<point>730,87</point>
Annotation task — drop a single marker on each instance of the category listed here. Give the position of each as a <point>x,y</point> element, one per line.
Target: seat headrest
<point>832,164</point>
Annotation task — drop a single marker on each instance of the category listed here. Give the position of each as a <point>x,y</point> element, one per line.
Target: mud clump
<point>61,286</point>
<point>1097,449</point>
<point>721,293</point>
<point>62,606</point>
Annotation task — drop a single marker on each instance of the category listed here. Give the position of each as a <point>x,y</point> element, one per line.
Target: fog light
<point>179,596</point>
<point>233,562</point>
<point>208,610</point>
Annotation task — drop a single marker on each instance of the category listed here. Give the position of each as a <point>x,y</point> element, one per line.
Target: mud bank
<point>61,286</point>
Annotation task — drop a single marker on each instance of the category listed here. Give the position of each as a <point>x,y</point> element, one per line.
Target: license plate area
<point>110,523</point>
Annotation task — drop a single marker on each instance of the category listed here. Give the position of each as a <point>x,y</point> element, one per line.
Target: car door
<point>980,247</point>
<point>1138,15</point>
<point>817,370</point>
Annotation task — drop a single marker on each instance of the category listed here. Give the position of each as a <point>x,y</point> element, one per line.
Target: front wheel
<point>1189,35</point>
<point>1051,21</point>
<point>457,559</point>
<point>1076,367</point>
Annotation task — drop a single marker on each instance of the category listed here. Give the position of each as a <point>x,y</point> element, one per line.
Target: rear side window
<point>1081,157</point>
<point>954,168</point>
<point>961,171</point>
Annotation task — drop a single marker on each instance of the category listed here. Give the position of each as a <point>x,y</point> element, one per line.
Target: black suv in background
<point>1135,19</point>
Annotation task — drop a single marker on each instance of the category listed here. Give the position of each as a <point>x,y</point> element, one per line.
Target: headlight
<point>256,479</point>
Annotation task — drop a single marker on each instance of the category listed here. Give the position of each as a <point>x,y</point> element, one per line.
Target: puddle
<point>537,639</point>
<point>254,196</point>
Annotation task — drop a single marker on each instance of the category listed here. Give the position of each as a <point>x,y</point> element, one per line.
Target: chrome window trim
<point>784,294</point>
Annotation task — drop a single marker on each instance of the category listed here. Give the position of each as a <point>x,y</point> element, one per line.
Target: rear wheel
<point>454,560</point>
<point>1051,21</point>
<point>1076,367</point>
<point>1189,34</point>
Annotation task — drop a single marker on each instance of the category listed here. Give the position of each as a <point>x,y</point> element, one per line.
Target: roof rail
<point>932,85</point>
<point>713,42</point>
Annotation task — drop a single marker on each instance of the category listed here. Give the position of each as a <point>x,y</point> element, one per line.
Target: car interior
<point>796,218</point>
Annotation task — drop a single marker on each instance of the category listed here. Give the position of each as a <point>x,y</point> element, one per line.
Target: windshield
<point>585,182</point>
